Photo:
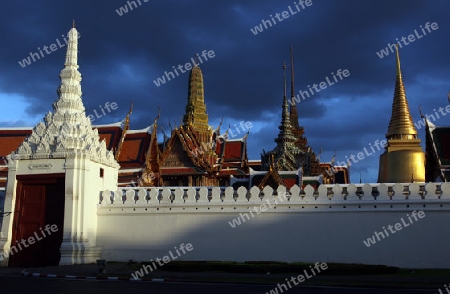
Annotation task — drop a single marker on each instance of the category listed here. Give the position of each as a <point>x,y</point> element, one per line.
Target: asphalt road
<point>13,284</point>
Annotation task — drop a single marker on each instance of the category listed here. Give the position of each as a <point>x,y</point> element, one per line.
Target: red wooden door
<point>40,202</point>
<point>29,217</point>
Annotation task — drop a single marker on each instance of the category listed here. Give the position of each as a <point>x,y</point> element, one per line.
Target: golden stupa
<point>403,160</point>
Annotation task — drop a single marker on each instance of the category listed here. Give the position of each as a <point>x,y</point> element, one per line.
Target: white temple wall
<point>304,229</point>
<point>84,182</point>
<point>94,184</point>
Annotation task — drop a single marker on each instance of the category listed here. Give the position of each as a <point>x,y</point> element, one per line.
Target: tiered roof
<point>438,153</point>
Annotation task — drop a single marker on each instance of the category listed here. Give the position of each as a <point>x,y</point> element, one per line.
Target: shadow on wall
<point>302,229</point>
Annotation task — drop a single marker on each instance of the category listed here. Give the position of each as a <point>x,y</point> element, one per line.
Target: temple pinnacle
<point>401,124</point>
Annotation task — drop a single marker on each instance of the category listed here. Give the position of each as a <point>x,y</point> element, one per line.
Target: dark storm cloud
<point>120,56</point>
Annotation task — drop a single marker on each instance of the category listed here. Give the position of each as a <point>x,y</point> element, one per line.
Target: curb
<point>71,277</point>
<point>25,273</point>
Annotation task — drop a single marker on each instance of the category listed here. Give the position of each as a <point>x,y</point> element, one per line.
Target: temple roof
<point>340,173</point>
<point>233,150</point>
<point>10,139</point>
<point>111,134</point>
<point>233,155</point>
<point>180,171</point>
<point>134,148</point>
<point>144,130</point>
<point>285,154</point>
<point>440,137</point>
<point>271,178</point>
<point>135,144</point>
<point>116,124</point>
<point>184,150</point>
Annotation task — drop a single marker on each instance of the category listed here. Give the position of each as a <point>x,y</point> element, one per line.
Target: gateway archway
<point>40,203</point>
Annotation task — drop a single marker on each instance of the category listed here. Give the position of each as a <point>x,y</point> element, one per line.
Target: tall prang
<point>403,160</point>
<point>292,151</point>
<point>189,157</point>
<point>286,155</point>
<point>196,115</point>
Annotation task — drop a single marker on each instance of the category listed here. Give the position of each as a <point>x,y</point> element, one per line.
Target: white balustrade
<point>355,196</point>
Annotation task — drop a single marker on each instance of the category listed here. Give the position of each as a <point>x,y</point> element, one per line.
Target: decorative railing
<point>352,195</point>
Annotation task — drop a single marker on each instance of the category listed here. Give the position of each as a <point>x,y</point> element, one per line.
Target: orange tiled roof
<point>134,148</point>
<point>10,139</point>
<point>166,171</point>
<point>111,135</point>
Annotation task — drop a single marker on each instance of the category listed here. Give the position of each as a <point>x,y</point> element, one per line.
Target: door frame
<point>38,179</point>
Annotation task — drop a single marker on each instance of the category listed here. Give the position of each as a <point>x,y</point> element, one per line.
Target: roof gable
<point>179,152</point>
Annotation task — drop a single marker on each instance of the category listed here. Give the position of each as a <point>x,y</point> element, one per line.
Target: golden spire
<point>155,127</point>
<point>403,160</point>
<point>401,124</point>
<point>272,163</point>
<point>399,71</point>
<point>196,117</point>
<point>148,177</point>
<point>124,132</point>
<point>196,107</point>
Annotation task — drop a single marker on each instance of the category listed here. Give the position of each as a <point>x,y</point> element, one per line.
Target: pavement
<point>123,271</point>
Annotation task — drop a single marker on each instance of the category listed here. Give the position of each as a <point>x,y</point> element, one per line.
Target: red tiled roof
<point>134,149</point>
<point>179,171</point>
<point>135,146</point>
<point>111,135</point>
<point>10,140</point>
<point>233,155</point>
<point>234,151</point>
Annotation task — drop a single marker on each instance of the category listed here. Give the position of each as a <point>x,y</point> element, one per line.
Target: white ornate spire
<point>69,91</point>
<point>67,131</point>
